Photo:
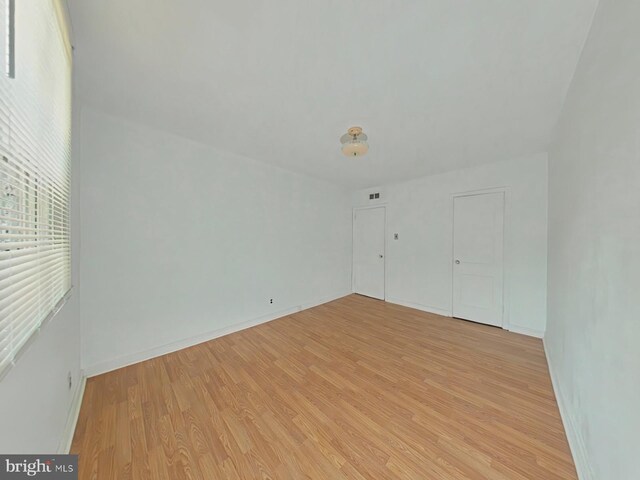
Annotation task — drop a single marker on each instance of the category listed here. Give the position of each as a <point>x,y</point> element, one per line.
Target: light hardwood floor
<point>353,389</point>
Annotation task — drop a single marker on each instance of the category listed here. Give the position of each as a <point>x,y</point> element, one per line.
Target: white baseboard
<point>418,306</point>
<point>446,313</point>
<point>123,361</point>
<point>576,443</point>
<point>525,331</point>
<point>72,418</point>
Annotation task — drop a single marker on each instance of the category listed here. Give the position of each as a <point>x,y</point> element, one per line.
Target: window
<point>11,38</point>
<point>35,135</point>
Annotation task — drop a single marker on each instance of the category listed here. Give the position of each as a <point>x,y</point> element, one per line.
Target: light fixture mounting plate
<point>355,131</point>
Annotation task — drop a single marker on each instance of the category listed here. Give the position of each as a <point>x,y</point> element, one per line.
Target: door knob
<point>381,256</point>
<point>457,262</point>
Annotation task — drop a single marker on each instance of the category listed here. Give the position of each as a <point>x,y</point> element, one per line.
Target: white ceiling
<point>436,84</point>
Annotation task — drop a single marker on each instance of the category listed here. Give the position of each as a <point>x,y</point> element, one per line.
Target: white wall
<point>180,241</point>
<point>34,396</point>
<point>593,335</point>
<point>419,263</point>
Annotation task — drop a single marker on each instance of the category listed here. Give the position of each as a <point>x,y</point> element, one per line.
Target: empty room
<point>355,240</point>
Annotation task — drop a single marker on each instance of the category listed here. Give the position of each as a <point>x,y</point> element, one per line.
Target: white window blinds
<point>35,134</point>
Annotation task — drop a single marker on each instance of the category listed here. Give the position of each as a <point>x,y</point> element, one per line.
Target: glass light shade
<point>355,148</point>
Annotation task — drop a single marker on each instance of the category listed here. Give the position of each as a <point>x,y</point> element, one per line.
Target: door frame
<point>506,191</point>
<point>353,245</point>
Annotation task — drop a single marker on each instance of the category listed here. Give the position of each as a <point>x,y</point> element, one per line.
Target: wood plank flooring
<point>353,389</point>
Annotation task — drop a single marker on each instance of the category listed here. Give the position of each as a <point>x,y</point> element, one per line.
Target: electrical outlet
<point>70,380</point>
<point>395,236</point>
<point>271,300</point>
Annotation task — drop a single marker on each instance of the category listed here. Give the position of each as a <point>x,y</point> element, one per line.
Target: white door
<point>368,252</point>
<point>478,226</point>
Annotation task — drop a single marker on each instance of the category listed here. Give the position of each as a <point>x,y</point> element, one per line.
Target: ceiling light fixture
<point>354,142</point>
